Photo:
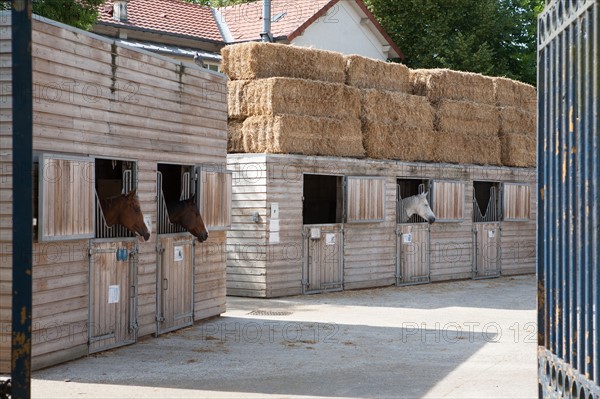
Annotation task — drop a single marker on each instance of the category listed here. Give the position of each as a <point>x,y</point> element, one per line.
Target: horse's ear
<point>424,194</point>
<point>193,198</point>
<point>132,193</point>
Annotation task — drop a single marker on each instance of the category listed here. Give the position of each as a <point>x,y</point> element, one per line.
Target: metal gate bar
<point>164,225</point>
<point>568,198</point>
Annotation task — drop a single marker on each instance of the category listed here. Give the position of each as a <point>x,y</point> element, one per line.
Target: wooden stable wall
<point>257,267</point>
<point>96,98</point>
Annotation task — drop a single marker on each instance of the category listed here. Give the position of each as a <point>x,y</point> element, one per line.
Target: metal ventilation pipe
<point>266,35</point>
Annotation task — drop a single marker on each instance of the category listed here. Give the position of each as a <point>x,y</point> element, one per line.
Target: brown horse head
<point>125,210</point>
<point>185,213</point>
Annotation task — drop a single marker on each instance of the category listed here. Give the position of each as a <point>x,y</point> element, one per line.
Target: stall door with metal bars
<point>322,266</point>
<point>112,318</point>
<point>486,231</point>
<point>175,247</point>
<point>412,244</point>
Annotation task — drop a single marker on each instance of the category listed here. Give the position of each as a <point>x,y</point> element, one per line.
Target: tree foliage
<point>79,13</point>
<point>494,37</point>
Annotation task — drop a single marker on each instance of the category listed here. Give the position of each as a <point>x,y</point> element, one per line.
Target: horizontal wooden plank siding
<point>272,250</point>
<point>96,98</point>
<point>247,238</point>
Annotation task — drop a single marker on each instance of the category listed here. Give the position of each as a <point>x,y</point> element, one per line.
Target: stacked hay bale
<point>285,99</point>
<point>517,104</point>
<point>466,117</point>
<point>395,124</point>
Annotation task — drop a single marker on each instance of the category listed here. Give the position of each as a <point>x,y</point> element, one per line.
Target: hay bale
<point>389,107</point>
<point>461,147</point>
<point>368,73</point>
<point>517,120</point>
<point>236,102</point>
<point>235,138</point>
<point>396,141</point>
<point>438,84</point>
<point>293,134</point>
<point>518,150</point>
<point>265,60</point>
<point>511,93</point>
<point>274,96</point>
<point>467,117</point>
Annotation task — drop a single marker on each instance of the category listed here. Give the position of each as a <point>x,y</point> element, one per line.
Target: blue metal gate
<point>569,194</point>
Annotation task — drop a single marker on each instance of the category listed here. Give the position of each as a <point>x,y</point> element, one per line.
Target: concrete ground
<point>466,339</point>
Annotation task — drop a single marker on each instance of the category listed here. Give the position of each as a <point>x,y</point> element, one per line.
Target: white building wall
<point>340,30</point>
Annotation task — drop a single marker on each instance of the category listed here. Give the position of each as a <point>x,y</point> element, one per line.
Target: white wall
<point>340,30</point>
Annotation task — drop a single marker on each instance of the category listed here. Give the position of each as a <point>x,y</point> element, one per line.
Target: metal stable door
<point>486,250</point>
<point>486,237</point>
<point>322,267</point>
<point>412,254</point>
<point>112,310</point>
<point>175,283</point>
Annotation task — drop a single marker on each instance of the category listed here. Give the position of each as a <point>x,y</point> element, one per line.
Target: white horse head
<point>418,204</point>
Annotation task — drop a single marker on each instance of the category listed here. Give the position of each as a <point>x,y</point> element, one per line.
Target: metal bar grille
<point>491,213</point>
<point>568,198</point>
<point>401,216</point>
<point>164,225</point>
<point>116,231</point>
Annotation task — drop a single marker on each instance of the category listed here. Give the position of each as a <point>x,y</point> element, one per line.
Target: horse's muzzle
<point>431,220</point>
<point>202,236</point>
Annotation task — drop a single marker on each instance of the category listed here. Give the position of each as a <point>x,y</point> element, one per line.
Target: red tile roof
<point>245,20</point>
<point>168,16</point>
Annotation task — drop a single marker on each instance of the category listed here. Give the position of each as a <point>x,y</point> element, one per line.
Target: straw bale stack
<point>294,134</point>
<point>438,84</point>
<point>274,96</point>
<point>235,138</point>
<point>467,117</point>
<point>265,60</point>
<point>461,147</point>
<point>368,73</point>
<point>518,137</point>
<point>511,93</point>
<point>389,107</point>
<point>395,141</point>
<point>516,120</point>
<point>518,150</point>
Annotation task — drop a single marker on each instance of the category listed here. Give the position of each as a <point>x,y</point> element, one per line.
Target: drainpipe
<point>266,35</point>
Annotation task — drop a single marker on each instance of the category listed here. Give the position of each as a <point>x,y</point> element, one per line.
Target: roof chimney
<point>120,10</point>
<point>266,35</point>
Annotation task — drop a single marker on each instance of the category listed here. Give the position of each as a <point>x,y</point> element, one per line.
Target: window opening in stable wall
<point>173,183</point>
<point>448,200</point>
<point>407,188</point>
<point>516,202</point>
<point>64,198</point>
<point>486,201</point>
<point>215,193</point>
<point>322,199</point>
<point>113,178</point>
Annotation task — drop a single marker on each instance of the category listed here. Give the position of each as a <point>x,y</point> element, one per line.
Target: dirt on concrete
<point>466,339</point>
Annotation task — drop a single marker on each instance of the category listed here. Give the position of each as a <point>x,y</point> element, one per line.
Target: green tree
<point>79,13</point>
<point>494,37</point>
